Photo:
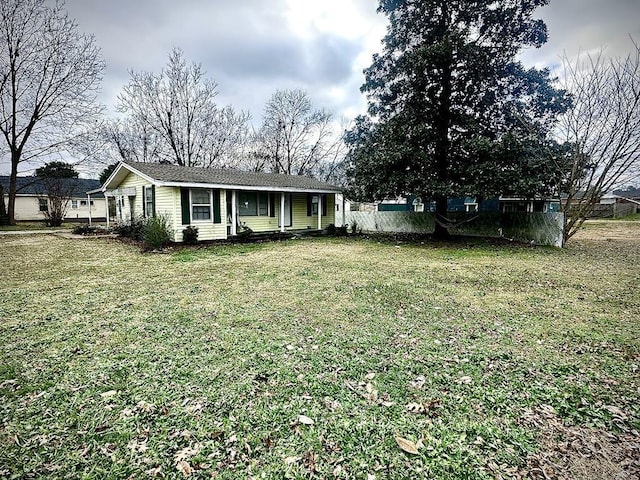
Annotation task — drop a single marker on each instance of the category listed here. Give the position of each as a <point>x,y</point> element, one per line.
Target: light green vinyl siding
<point>165,202</point>
<point>300,219</point>
<point>260,224</point>
<point>136,182</point>
<point>207,230</point>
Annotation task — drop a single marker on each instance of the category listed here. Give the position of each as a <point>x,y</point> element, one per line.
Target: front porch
<point>271,212</point>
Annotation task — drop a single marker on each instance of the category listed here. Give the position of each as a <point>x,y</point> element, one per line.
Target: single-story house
<point>629,193</point>
<point>32,202</point>
<point>221,203</point>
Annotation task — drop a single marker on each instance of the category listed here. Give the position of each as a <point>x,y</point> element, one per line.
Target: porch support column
<point>319,211</point>
<point>234,213</point>
<point>89,203</point>
<point>282,228</point>
<point>106,208</point>
<point>344,215</point>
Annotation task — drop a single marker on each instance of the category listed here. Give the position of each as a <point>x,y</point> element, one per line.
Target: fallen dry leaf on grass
<point>427,407</point>
<point>407,445</point>
<point>303,419</point>
<point>418,382</point>
<point>154,472</point>
<point>615,411</point>
<point>187,453</point>
<point>184,468</point>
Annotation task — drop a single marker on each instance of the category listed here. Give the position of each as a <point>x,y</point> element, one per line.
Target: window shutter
<point>309,201</point>
<point>324,205</point>
<point>144,202</point>
<point>186,209</point>
<point>216,206</point>
<point>153,200</point>
<point>272,204</point>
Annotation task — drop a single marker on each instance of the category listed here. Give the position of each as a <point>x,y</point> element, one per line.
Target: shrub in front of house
<point>190,235</point>
<point>330,230</point>
<point>155,233</point>
<point>244,231</point>
<point>133,229</point>
<point>84,229</point>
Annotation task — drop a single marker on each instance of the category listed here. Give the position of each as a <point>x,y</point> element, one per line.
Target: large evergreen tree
<point>451,110</point>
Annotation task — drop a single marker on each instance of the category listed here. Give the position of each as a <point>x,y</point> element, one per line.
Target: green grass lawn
<point>315,358</point>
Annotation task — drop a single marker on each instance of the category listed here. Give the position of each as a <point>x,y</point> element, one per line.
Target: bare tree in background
<point>602,128</point>
<point>130,140</point>
<point>177,109</point>
<point>298,139</point>
<point>59,181</point>
<point>49,78</point>
<point>228,139</point>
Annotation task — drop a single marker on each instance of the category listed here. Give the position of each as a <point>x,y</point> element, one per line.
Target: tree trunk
<point>441,231</point>
<point>3,210</point>
<point>11,207</point>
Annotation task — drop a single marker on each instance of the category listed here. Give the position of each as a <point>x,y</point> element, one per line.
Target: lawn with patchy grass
<point>321,358</point>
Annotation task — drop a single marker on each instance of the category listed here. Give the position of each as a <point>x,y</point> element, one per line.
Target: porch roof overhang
<point>225,186</point>
<point>116,192</point>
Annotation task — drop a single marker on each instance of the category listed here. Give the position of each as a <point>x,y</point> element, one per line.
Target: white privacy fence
<point>539,228</point>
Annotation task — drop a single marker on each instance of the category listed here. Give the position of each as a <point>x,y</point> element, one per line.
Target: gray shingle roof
<point>217,176</point>
<point>35,185</point>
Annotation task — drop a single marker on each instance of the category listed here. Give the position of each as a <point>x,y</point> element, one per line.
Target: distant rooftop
<point>36,186</point>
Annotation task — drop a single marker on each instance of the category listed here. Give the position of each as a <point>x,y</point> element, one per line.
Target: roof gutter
<point>246,187</point>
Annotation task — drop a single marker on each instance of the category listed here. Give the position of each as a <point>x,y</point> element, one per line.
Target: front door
<point>120,209</point>
<point>287,210</point>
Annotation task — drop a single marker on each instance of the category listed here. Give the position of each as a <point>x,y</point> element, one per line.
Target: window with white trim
<point>471,207</point>
<point>200,204</point>
<point>312,204</point>
<point>43,204</point>
<point>74,204</point>
<point>148,201</point>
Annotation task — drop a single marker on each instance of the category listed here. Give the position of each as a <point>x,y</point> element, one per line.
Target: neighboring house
<point>220,202</point>
<point>470,204</point>
<point>610,205</point>
<point>32,203</point>
<point>629,193</point>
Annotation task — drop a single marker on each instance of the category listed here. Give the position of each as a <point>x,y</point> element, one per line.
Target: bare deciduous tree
<point>228,139</point>
<point>175,112</point>
<point>49,77</point>
<point>298,139</point>
<point>131,140</point>
<point>602,128</point>
<point>59,181</point>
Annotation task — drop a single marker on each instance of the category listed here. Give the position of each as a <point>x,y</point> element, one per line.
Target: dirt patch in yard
<point>571,452</point>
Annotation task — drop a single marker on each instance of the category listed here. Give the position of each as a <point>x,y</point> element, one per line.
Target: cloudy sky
<point>253,47</point>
